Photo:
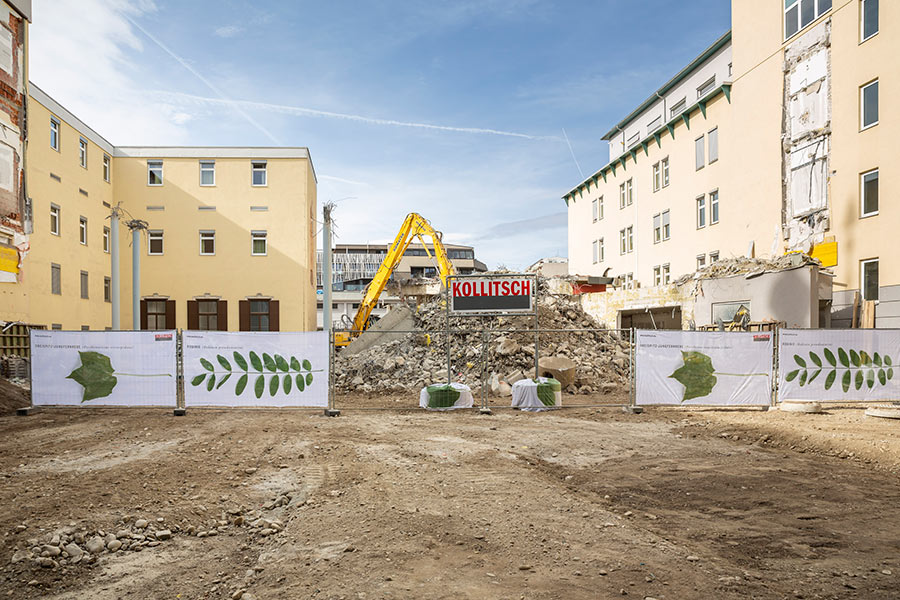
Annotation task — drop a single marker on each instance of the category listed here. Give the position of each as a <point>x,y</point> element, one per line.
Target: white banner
<point>103,368</point>
<point>837,365</point>
<point>703,368</point>
<point>258,368</point>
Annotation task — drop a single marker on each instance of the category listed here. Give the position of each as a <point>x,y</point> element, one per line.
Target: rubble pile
<point>584,361</point>
<point>748,267</point>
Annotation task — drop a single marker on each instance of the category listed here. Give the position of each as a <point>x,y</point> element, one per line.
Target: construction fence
<point>588,367</point>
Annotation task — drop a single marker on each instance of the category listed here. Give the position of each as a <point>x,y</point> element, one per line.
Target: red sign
<point>500,294</point>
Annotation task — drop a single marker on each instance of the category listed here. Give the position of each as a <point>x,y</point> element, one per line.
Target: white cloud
<point>227,31</point>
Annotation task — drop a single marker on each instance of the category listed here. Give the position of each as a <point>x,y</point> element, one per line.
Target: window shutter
<point>143,314</point>
<point>193,320</point>
<point>170,314</point>
<point>222,315</point>
<point>244,310</point>
<point>274,320</point>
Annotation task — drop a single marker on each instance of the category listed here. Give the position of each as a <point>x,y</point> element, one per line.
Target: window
<point>629,192</point>
<point>82,230</point>
<point>207,243</point>
<point>869,278</point>
<point>657,275</point>
<point>701,261</point>
<point>698,153</point>
<point>156,314</point>
<point>595,206</point>
<point>154,172</point>
<point>621,195</point>
<point>714,207</point>
<point>54,219</point>
<point>622,245</point>
<point>869,18</point>
<point>868,104</point>
<point>634,139</point>
<point>600,217</point>
<point>629,281</point>
<point>82,152</point>
<point>713,256</point>
<point>258,245</point>
<point>666,230</point>
<point>258,173</point>
<point>107,289</point>
<point>155,242</point>
<point>701,212</point>
<point>259,315</point>
<point>800,13</point>
<point>657,177</point>
<point>729,69</point>
<point>714,145</point>
<point>629,238</point>
<point>84,284</point>
<point>706,87</point>
<point>677,108</point>
<point>85,327</point>
<point>106,168</point>
<point>601,254</point>
<point>207,172</point>
<point>55,279</point>
<point>665,171</point>
<point>106,239</point>
<point>868,205</point>
<point>207,314</point>
<point>54,134</point>
<point>657,228</point>
<point>654,124</point>
<point>596,249</point>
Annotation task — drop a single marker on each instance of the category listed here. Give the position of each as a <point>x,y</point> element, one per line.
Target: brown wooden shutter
<point>193,315</point>
<point>222,315</point>
<point>244,314</point>
<point>274,312</point>
<point>170,314</point>
<point>143,314</point>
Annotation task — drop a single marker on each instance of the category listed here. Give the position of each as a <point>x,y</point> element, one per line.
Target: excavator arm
<point>414,226</point>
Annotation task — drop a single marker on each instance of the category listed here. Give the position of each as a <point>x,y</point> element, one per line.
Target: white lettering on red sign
<point>506,287</point>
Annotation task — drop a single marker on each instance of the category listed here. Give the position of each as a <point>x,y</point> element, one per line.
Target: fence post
<point>331,411</point>
<point>775,369</point>
<point>180,409</point>
<point>633,408</point>
<point>31,408</point>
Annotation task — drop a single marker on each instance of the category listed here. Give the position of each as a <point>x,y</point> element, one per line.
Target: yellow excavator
<point>414,225</point>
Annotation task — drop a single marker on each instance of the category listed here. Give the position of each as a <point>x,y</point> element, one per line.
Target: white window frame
<point>701,261</point>
<point>862,21</point>
<point>666,274</point>
<point>595,209</point>
<point>665,171</point>
<point>600,207</point>
<point>657,176</point>
<point>862,105</point>
<point>706,87</point>
<point>107,289</point>
<point>862,194</point>
<point>208,166</point>
<point>657,228</point>
<point>621,195</point>
<point>666,226</point>
<point>57,289</point>
<point>595,251</point>
<point>629,238</point>
<point>817,13</point>
<point>713,256</point>
<point>156,234</point>
<point>714,207</point>
<point>107,168</point>
<point>713,145</point>
<point>700,152</point>
<point>623,247</point>
<point>677,108</point>
<point>82,152</point>
<point>106,240</point>
<point>55,127</point>
<point>259,235</point>
<point>84,284</point>
<point>152,166</point>
<point>602,255</point>
<point>257,166</point>
<point>629,192</point>
<point>862,277</point>
<point>54,219</point>
<point>207,234</point>
<point>82,230</point>
<point>701,211</point>
<point>657,275</point>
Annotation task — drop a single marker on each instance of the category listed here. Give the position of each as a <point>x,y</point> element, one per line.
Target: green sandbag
<point>442,396</point>
<point>549,392</point>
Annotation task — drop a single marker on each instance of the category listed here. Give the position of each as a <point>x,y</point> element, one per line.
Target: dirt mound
<point>12,397</point>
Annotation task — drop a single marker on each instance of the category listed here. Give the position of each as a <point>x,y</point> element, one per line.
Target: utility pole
<point>114,283</point>
<point>136,225</point>
<point>326,267</point>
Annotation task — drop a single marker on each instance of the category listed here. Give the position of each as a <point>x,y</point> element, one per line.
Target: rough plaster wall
<point>605,306</point>
<point>806,137</point>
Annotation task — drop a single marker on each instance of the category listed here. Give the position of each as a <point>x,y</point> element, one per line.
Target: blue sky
<point>455,110</point>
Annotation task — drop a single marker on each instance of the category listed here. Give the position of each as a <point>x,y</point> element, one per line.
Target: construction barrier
<point>682,368</point>
<point>103,368</point>
<point>839,365</point>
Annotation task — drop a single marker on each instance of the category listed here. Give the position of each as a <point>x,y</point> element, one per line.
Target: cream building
<point>226,235</point>
<point>785,152</point>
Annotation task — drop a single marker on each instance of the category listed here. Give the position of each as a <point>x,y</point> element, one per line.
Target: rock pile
<point>600,357</point>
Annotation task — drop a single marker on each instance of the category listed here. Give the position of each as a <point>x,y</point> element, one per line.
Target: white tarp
<point>446,397</point>
<point>532,395</point>
<point>103,368</point>
<point>703,368</point>
<point>838,364</point>
<point>274,369</point>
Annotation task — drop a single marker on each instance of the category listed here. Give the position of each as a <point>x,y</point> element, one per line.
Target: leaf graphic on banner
<point>842,355</point>
<point>224,362</point>
<point>275,371</point>
<point>223,380</point>
<point>815,358</point>
<point>241,384</point>
<point>829,356</point>
<point>845,381</point>
<point>799,361</point>
<point>829,381</point>
<point>295,364</point>
<point>273,385</point>
<point>207,365</point>
<point>95,374</point>
<point>281,363</point>
<point>198,379</point>
<point>286,384</point>
<point>269,362</point>
<point>211,382</point>
<point>300,384</point>
<point>696,375</point>
<point>854,358</point>
<point>255,361</point>
<point>240,361</point>
<point>259,386</point>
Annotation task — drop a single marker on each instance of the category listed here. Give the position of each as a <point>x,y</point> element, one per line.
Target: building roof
<point>23,7</point>
<point>678,78</point>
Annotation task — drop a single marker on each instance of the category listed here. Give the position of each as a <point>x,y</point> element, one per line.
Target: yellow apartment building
<point>226,235</point>
<point>799,163</point>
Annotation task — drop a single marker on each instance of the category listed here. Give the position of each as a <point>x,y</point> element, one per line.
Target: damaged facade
<point>798,164</point>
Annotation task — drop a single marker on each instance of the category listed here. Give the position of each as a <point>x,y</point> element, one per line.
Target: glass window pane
<point>698,148</point>
<point>870,193</point>
<point>807,12</point>
<point>870,18</point>
<point>870,280</point>
<point>824,6</point>
<point>870,104</point>
<point>791,25</point>
<point>207,177</point>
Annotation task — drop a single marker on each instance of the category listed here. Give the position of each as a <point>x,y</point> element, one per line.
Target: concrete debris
<point>597,361</point>
<point>747,267</point>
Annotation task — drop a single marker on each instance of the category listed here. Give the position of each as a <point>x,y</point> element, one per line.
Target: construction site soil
<point>574,504</point>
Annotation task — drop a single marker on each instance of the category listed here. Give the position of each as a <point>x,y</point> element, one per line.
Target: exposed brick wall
<point>12,102</point>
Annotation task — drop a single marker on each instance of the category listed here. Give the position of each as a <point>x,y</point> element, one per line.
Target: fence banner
<point>274,369</point>
<point>839,365</point>
<point>703,368</point>
<point>103,368</point>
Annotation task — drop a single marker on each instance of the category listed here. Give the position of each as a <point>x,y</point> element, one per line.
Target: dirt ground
<point>575,504</point>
